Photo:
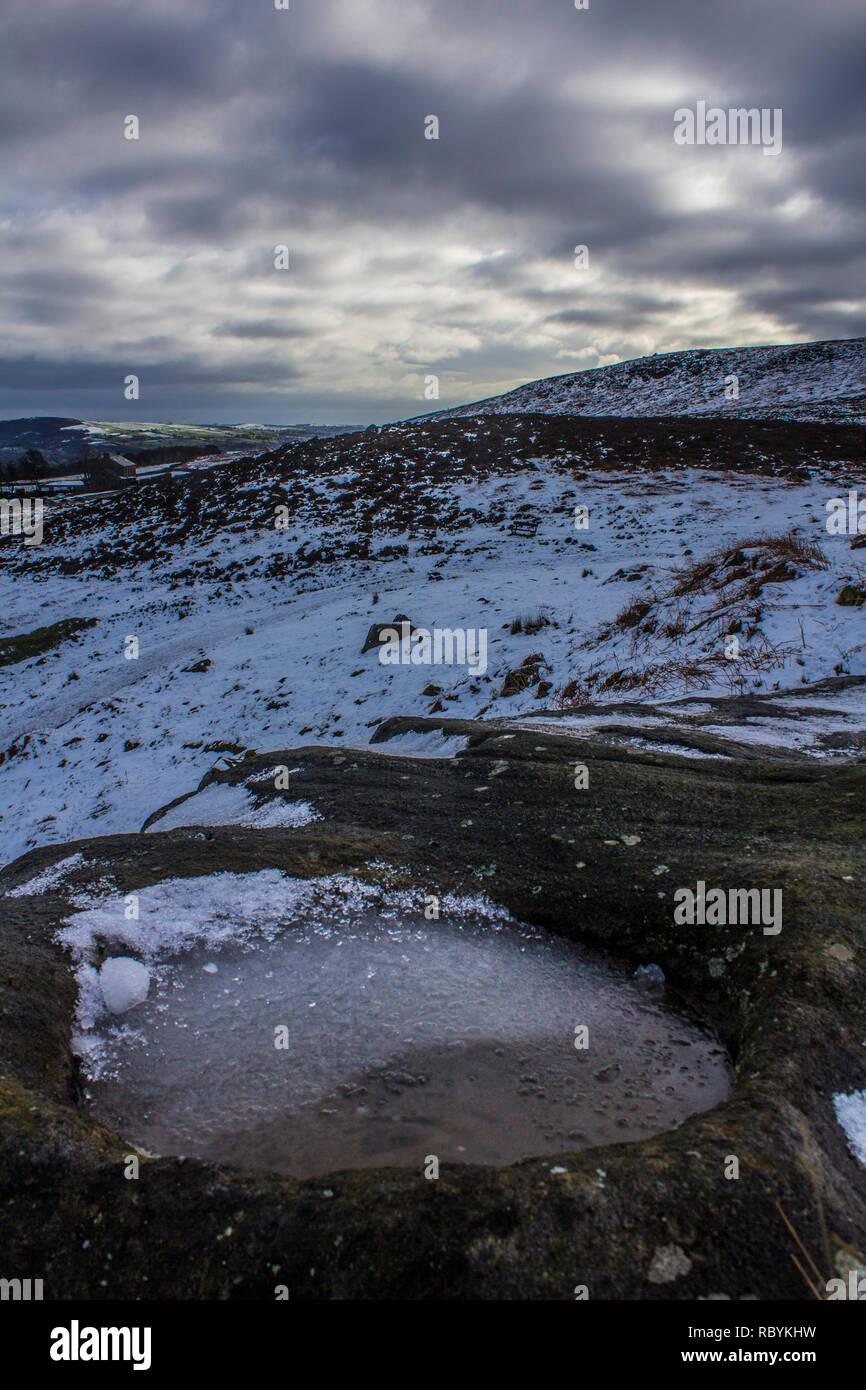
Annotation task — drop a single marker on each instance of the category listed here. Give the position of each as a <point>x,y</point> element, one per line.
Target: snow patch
<point>223,804</point>
<point>851,1114</point>
<point>428,743</point>
<point>49,878</point>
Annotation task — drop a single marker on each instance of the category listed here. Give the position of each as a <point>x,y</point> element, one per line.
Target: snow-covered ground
<point>801,381</point>
<point>238,650</point>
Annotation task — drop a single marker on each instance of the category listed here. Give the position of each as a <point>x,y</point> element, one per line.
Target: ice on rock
<point>125,982</point>
<point>404,1037</point>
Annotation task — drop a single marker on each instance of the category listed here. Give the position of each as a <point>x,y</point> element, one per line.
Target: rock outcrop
<point>659,1219</point>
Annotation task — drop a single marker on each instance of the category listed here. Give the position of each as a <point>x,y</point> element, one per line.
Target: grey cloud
<point>556,129</point>
<point>262,328</point>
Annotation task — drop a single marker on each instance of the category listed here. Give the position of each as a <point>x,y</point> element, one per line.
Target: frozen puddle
<point>406,1037</point>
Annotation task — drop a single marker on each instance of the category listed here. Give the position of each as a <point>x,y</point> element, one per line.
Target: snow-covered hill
<point>252,637</point>
<point>800,381</point>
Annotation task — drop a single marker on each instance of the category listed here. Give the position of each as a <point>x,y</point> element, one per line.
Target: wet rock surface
<point>654,1219</point>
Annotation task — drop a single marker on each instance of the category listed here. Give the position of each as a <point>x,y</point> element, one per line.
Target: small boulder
<point>649,976</point>
<point>379,633</point>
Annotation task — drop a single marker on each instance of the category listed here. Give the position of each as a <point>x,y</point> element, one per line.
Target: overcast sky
<point>409,256</point>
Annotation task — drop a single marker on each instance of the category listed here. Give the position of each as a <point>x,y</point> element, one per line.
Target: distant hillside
<point>34,427</point>
<point>802,381</point>
<point>62,440</point>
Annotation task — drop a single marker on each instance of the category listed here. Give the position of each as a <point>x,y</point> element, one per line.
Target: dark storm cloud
<point>262,328</point>
<point>62,374</point>
<point>632,311</point>
<point>305,128</point>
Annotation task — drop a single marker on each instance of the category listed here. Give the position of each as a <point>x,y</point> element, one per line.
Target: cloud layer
<point>408,256</point>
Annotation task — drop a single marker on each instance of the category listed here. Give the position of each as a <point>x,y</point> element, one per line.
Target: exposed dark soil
<point>25,645</point>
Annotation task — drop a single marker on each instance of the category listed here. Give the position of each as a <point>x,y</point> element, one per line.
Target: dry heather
<point>678,632</point>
